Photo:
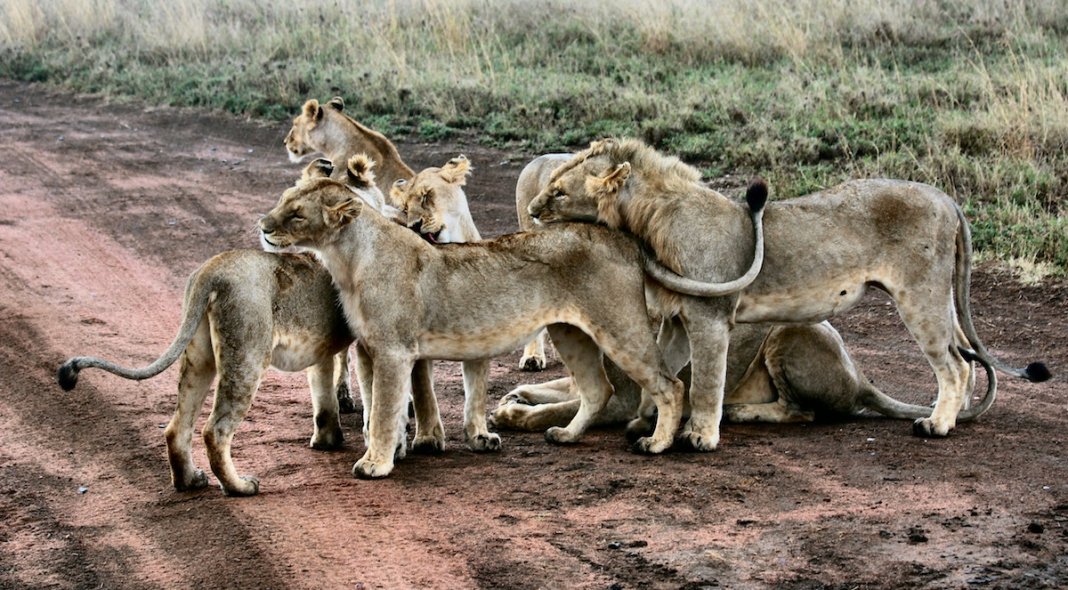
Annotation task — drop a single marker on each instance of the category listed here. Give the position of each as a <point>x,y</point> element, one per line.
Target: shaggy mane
<point>648,202</point>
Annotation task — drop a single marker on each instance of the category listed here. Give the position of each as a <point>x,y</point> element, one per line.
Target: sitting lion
<point>409,301</point>
<point>823,252</point>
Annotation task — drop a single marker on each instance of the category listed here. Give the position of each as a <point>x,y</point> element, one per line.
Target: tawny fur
<point>327,129</point>
<point>823,251</point>
<point>409,300</point>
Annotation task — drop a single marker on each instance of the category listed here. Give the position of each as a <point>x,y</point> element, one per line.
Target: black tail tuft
<point>757,194</point>
<point>68,376</point>
<point>1037,372</point>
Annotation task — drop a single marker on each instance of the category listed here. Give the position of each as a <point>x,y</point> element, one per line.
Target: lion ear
<point>360,171</point>
<point>343,213</point>
<point>337,103</point>
<point>456,170</point>
<point>614,180</point>
<point>318,168</point>
<point>312,110</point>
<point>396,192</point>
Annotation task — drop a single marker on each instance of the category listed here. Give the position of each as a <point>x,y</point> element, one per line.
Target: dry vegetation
<point>967,95</point>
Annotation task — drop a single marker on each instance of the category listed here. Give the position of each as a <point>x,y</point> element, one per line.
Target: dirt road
<point>104,211</point>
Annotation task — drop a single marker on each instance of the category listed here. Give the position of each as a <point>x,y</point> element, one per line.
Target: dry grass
<point>969,95</point>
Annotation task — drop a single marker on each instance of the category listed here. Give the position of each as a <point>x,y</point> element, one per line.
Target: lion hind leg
<point>533,358</point>
<point>233,397</point>
<point>346,403</point>
<point>429,431</point>
<point>197,371</point>
<point>935,334</point>
<point>776,412</point>
<point>326,416</point>
<point>476,430</point>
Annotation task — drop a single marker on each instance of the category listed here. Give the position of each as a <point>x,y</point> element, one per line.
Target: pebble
<point>83,489</point>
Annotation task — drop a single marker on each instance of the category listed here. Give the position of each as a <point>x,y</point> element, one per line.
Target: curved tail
<point>1035,372</point>
<point>756,196</point>
<point>874,399</point>
<point>198,296</point>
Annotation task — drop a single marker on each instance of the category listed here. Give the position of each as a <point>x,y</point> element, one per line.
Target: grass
<point>969,96</point>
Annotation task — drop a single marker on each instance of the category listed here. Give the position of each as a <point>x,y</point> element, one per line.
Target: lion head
<point>309,215</point>
<point>591,186</point>
<point>308,132</point>
<point>434,205</point>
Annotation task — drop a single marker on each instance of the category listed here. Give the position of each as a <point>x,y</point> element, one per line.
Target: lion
<point>243,310</point>
<point>433,203</point>
<point>256,308</point>
<point>823,252</point>
<point>410,300</point>
<point>532,178</point>
<point>775,373</point>
<point>327,129</point>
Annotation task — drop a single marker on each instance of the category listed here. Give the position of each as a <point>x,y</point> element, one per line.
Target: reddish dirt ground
<point>107,208</point>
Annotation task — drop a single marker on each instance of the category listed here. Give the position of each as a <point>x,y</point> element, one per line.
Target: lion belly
<point>806,303</point>
<point>489,340</point>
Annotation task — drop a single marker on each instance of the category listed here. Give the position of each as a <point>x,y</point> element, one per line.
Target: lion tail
<point>198,295</point>
<point>872,398</point>
<point>1035,372</point>
<point>756,197</point>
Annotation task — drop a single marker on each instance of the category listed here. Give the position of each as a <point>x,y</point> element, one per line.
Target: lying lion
<point>409,301</point>
<point>823,252</point>
<point>778,374</point>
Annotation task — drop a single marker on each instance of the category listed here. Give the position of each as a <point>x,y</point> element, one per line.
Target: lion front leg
<point>476,431</point>
<point>583,358</point>
<point>388,400</point>
<point>708,341</point>
<point>325,407</point>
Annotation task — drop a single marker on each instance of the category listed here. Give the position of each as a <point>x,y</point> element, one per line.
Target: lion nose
<point>265,225</point>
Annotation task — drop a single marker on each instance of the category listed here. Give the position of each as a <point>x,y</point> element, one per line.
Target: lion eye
<point>296,219</point>
<point>559,195</point>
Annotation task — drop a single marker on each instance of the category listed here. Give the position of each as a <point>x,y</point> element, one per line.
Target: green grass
<point>969,96</point>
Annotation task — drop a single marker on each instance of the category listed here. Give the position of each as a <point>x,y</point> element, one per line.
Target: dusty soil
<point>107,208</point>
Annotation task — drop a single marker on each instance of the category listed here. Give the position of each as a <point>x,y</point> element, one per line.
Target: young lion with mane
<point>822,252</point>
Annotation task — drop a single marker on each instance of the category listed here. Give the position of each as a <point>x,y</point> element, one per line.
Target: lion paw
<point>428,445</point>
<point>327,439</point>
<point>926,428</point>
<point>197,481</point>
<point>638,428</point>
<point>560,436</point>
<point>367,469</point>
<point>345,402</point>
<point>249,486</point>
<point>514,397</point>
<point>649,446</point>
<point>483,443</point>
<point>532,363</point>
<point>699,442</point>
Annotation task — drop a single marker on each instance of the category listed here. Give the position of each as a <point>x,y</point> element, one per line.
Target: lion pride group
<point>672,306</point>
